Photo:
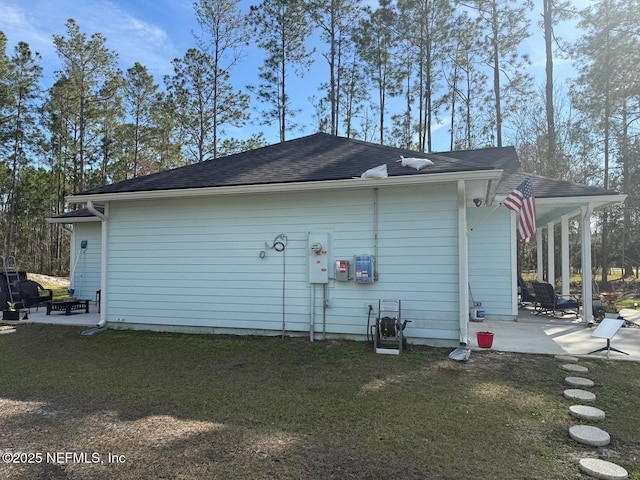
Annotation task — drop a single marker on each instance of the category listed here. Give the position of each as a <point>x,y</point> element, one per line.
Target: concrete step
<point>579,394</point>
<point>602,469</point>
<point>572,367</point>
<point>589,435</point>
<point>567,358</point>
<point>586,412</point>
<point>579,382</point>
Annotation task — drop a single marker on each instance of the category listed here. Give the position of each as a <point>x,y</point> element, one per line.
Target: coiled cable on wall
<point>279,244</point>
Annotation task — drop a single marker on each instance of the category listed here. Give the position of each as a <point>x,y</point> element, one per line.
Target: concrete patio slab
<point>557,336</point>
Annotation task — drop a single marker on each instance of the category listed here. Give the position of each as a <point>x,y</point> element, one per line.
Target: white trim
<point>597,201</point>
<point>463,263</point>
<point>514,262</point>
<point>405,180</point>
<point>551,254</point>
<point>103,267</point>
<point>64,220</point>
<point>539,256</point>
<point>564,256</point>
<point>587,279</point>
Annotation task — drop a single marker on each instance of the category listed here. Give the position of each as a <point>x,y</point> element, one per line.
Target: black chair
<point>525,295</point>
<point>33,294</point>
<point>548,302</point>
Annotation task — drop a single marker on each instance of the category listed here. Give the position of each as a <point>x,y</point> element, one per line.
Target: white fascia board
<point>356,183</point>
<point>72,220</point>
<point>598,201</point>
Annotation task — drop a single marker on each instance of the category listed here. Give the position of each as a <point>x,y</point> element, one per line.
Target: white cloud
<point>19,25</point>
<point>134,39</point>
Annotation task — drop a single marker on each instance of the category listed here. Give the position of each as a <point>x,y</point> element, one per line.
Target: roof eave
<point>596,200</point>
<point>569,207</point>
<point>72,219</point>
<point>354,183</point>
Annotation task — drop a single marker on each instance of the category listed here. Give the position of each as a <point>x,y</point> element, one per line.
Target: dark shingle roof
<point>544,187</point>
<point>316,157</point>
<point>79,213</point>
<point>506,159</point>
<point>324,157</point>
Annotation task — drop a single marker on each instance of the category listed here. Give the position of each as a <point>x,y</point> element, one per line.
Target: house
<point>290,239</point>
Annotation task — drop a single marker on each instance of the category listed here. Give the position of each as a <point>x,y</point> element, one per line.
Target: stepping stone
<point>586,412</point>
<point>570,367</point>
<point>578,394</point>
<point>594,436</point>
<point>566,358</point>
<point>579,382</point>
<point>597,468</point>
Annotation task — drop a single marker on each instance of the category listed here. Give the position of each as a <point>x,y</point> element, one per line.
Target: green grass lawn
<point>170,406</point>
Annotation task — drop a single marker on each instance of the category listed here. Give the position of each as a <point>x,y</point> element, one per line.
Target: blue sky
<point>154,32</point>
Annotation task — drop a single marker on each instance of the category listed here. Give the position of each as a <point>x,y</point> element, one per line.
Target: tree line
<point>394,73</point>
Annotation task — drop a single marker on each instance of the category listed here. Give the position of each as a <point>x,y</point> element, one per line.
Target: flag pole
<point>486,217</point>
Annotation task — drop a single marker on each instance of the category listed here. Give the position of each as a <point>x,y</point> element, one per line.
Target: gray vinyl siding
<point>196,262</point>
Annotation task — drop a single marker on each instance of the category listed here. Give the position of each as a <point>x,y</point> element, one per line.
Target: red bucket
<point>485,339</point>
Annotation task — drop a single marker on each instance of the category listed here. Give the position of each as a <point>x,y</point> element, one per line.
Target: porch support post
<point>587,280</point>
<point>463,264</point>
<point>551,257</point>
<point>565,259</point>
<point>539,255</point>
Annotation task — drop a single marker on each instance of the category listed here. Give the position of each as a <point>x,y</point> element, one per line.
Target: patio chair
<point>33,294</point>
<point>548,302</point>
<point>526,297</point>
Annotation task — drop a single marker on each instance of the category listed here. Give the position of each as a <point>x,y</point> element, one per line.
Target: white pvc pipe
<point>313,311</point>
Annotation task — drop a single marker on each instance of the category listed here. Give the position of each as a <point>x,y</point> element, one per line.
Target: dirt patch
<point>49,280</point>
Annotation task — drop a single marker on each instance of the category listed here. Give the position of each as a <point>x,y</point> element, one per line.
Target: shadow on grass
<point>199,406</point>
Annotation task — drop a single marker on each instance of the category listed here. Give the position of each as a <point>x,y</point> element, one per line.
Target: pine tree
<point>377,44</point>
<point>606,90</point>
<point>335,19</point>
<point>140,94</point>
<point>505,26</point>
<point>282,29</point>
<point>429,43</point>
<point>200,107</point>
<point>87,65</point>
<point>223,37</point>
<point>19,133</point>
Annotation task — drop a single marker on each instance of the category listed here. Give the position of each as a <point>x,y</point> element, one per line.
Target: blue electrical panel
<point>363,269</point>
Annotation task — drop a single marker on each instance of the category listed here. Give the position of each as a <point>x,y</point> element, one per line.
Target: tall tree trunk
<point>548,38</point>
<point>496,72</point>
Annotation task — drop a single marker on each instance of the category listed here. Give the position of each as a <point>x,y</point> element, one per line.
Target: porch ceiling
<point>551,210</point>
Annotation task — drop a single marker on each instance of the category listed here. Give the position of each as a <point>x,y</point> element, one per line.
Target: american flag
<point>523,201</point>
